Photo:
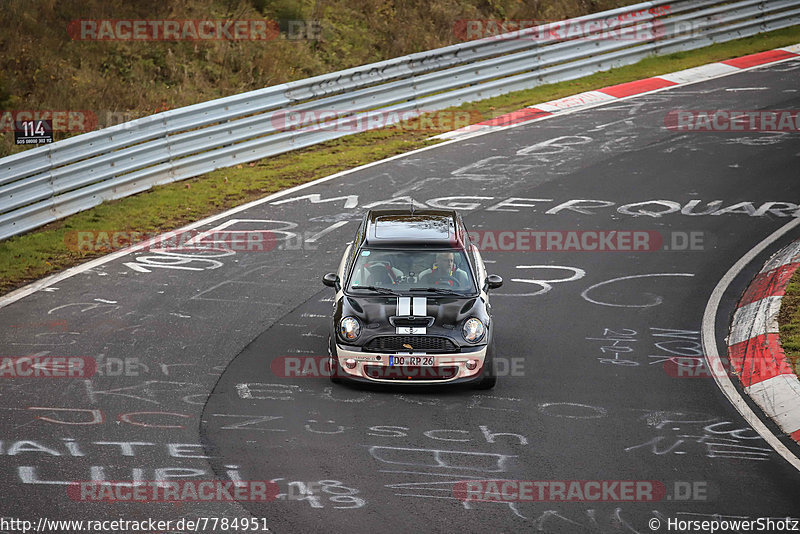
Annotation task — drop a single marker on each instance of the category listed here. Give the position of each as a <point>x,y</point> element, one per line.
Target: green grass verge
<point>44,251</point>
<point>789,321</point>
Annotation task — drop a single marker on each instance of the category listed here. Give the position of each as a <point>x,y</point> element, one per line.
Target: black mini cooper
<point>411,303</point>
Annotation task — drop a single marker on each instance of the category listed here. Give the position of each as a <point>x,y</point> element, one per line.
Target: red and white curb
<point>754,350</point>
<point>624,90</point>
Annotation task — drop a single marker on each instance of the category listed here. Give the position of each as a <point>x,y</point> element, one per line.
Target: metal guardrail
<point>50,182</point>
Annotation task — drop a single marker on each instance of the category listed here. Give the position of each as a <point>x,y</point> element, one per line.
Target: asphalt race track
<point>190,346</point>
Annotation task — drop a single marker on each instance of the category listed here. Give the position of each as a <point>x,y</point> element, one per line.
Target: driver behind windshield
<point>444,272</point>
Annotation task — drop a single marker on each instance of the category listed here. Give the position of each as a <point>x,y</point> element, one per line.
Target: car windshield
<point>412,271</point>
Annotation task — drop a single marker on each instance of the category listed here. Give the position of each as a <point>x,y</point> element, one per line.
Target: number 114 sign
<point>33,132</point>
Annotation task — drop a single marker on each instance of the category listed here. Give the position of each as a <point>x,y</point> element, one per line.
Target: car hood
<point>448,312</point>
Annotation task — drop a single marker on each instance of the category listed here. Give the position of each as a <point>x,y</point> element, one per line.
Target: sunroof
<point>404,226</point>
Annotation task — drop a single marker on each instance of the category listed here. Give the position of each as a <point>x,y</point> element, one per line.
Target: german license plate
<point>417,361</point>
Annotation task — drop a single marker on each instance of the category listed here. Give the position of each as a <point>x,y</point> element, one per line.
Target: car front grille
<point>417,344</point>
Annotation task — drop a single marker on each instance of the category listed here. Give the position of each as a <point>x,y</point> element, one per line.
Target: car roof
<point>404,228</point>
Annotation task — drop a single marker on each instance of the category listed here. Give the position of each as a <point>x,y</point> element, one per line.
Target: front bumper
<point>374,367</point>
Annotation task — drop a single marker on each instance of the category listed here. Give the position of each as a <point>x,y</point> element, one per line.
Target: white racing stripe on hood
<point>420,306</point>
<point>403,306</point>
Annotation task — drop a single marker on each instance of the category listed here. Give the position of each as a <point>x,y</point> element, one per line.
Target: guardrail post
<point>51,179</point>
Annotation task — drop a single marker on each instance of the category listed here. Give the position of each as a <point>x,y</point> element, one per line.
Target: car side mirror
<point>331,280</point>
<point>493,281</point>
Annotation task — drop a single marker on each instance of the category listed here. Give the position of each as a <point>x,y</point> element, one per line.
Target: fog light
<point>350,363</point>
<point>472,364</point>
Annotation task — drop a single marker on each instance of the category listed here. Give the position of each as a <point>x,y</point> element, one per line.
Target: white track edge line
<point>709,341</point>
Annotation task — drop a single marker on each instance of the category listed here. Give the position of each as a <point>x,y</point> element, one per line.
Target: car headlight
<point>473,330</point>
<point>349,328</point>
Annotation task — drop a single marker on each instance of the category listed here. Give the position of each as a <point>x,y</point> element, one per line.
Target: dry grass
<point>42,68</point>
<point>789,321</point>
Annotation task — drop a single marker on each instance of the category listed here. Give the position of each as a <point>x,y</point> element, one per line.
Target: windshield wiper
<point>438,290</point>
<point>381,290</point>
